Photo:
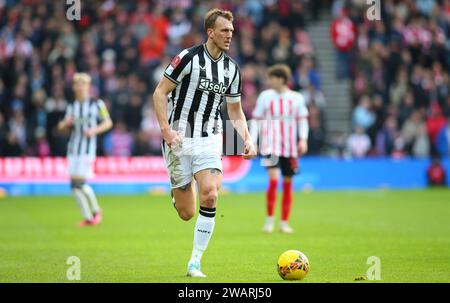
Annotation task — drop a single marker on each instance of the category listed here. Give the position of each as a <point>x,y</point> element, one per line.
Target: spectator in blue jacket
<point>443,140</point>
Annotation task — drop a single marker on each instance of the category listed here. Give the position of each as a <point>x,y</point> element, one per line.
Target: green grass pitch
<point>142,240</point>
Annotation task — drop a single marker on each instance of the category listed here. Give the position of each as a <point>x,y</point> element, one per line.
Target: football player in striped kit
<point>85,119</point>
<point>282,122</point>
<point>197,81</point>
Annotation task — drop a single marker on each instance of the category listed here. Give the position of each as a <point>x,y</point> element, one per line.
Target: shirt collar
<point>210,56</point>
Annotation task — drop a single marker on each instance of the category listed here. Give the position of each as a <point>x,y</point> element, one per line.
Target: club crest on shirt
<point>175,61</point>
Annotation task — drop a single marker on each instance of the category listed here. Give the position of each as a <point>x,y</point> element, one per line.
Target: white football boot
<point>269,225</point>
<point>194,270</point>
<point>285,228</point>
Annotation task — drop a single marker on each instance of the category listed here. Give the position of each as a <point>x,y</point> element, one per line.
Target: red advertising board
<point>107,169</point>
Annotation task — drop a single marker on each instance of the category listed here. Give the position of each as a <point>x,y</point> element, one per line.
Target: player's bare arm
<point>65,124</point>
<point>302,145</point>
<point>240,124</point>
<point>164,87</point>
<point>103,127</point>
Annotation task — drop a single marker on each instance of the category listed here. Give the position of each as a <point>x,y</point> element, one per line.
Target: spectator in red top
<point>160,22</point>
<point>343,35</point>
<point>151,48</point>
<point>436,174</point>
<point>435,122</point>
<point>153,29</point>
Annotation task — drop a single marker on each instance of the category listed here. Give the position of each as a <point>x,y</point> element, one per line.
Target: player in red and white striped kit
<point>282,125</point>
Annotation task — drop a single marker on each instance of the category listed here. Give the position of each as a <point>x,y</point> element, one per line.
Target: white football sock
<point>284,223</point>
<point>83,203</point>
<point>270,219</point>
<point>87,189</point>
<point>203,231</point>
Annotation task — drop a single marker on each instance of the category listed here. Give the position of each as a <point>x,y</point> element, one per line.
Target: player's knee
<point>76,184</point>
<point>209,197</point>
<point>273,174</point>
<point>186,214</point>
<point>287,178</point>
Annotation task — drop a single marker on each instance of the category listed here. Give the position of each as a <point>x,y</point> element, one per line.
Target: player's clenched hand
<point>171,137</point>
<point>68,121</point>
<point>89,133</point>
<point>249,150</point>
<point>302,147</point>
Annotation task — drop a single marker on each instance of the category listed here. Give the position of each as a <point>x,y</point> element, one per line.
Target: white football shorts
<point>81,166</point>
<point>192,156</point>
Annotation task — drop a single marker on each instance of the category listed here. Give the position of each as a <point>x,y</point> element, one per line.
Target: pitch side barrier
<point>143,175</point>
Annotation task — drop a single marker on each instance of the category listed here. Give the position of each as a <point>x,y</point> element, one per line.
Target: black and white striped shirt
<point>85,115</point>
<point>202,84</point>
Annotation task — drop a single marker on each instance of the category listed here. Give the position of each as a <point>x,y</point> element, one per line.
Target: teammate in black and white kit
<point>197,81</point>
<point>86,118</point>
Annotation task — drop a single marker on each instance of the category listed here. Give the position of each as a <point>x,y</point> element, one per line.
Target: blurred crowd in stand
<point>399,70</point>
<point>125,47</point>
<point>398,67</point>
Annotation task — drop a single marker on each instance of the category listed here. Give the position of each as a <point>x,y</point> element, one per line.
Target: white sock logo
<point>74,271</point>
<point>203,231</point>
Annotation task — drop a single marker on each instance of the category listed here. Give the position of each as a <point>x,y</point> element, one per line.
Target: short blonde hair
<point>82,77</point>
<point>212,15</point>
